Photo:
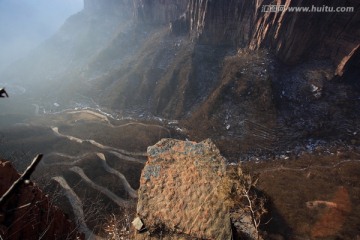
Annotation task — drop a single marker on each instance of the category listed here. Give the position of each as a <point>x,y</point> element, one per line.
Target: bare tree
<point>246,205</point>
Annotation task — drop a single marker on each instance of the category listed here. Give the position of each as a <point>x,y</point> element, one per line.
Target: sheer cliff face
<point>293,36</point>
<point>221,22</point>
<point>142,11</point>
<point>158,11</point>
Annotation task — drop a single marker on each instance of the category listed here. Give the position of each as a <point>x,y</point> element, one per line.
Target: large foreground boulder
<point>181,194</point>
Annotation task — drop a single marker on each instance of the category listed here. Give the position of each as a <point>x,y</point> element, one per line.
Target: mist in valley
<point>92,85</point>
<point>54,68</point>
<point>26,24</point>
<point>24,27</point>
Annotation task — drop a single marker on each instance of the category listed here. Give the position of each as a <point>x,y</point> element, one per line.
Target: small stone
<point>314,88</point>
<point>138,224</point>
<point>237,224</point>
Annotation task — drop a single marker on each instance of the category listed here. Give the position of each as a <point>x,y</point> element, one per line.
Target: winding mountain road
<point>99,145</point>
<point>118,200</point>
<point>282,168</point>
<point>76,160</point>
<point>128,188</point>
<point>77,207</point>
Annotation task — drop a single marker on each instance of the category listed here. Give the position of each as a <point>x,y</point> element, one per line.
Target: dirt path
<point>128,188</point>
<point>77,206</point>
<point>282,168</point>
<point>119,201</point>
<point>96,114</point>
<point>76,160</point>
<point>127,158</point>
<point>93,142</point>
<point>105,119</point>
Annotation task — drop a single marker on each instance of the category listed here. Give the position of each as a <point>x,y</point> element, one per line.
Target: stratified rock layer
<point>180,190</point>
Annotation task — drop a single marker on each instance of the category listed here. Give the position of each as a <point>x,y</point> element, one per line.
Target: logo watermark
<point>313,8</point>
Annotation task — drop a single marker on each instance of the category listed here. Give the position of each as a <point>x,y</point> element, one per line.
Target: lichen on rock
<point>180,190</point>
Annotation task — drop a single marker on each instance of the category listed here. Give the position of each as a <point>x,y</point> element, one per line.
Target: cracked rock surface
<point>180,190</point>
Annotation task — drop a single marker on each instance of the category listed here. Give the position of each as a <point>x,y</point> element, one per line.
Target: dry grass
<point>246,205</point>
<point>294,184</point>
<point>118,226</point>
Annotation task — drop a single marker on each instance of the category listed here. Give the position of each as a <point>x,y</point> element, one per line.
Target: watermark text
<point>313,8</point>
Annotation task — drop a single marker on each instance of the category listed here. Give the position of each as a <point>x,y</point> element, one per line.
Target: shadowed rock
<point>30,214</point>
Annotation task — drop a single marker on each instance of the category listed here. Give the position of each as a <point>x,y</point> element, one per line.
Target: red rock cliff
<point>29,214</point>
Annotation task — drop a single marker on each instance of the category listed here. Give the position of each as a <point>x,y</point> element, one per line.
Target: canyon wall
<point>293,36</point>
<point>158,11</point>
<point>142,11</point>
<point>123,53</point>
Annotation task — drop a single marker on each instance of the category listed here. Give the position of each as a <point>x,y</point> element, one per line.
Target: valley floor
<point>98,160</point>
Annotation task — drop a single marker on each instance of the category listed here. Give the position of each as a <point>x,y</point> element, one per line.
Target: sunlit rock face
<point>294,36</point>
<point>30,213</point>
<point>180,190</point>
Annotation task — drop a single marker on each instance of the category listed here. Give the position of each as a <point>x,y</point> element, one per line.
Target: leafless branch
<point>25,176</point>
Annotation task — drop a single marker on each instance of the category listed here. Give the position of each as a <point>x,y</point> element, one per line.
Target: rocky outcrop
<point>180,190</point>
<point>297,36</point>
<point>141,11</point>
<point>293,36</point>
<point>30,213</point>
<point>158,11</point>
<point>221,22</point>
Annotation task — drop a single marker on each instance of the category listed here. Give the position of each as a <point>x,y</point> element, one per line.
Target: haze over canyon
<point>277,92</point>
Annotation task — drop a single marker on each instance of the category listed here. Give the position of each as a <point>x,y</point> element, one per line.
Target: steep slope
<point>294,36</point>
<point>61,60</point>
<point>31,214</point>
<point>235,72</point>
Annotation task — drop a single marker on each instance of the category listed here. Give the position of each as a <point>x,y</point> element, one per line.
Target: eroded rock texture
<point>180,190</point>
<point>29,213</point>
<point>294,36</point>
<point>158,11</point>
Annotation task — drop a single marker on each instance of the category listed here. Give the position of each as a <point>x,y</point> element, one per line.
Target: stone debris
<point>180,191</point>
<point>138,224</point>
